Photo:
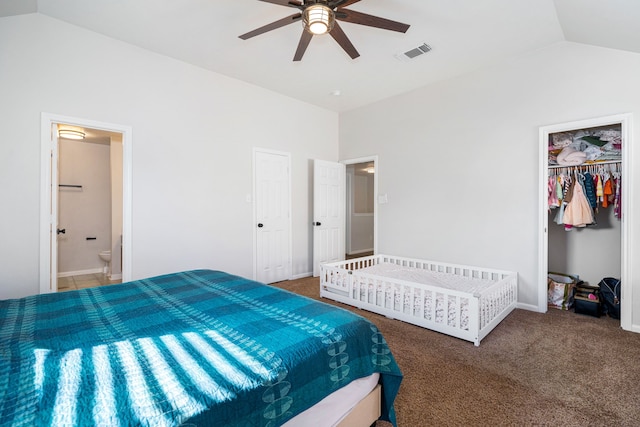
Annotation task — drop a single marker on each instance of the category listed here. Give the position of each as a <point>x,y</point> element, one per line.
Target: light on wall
<point>71,132</point>
<point>318,19</point>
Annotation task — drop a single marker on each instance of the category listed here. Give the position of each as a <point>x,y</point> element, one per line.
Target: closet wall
<point>594,251</point>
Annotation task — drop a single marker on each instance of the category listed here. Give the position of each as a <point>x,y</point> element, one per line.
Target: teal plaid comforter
<point>196,348</point>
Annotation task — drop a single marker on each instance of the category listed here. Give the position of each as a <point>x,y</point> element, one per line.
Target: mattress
<point>331,410</point>
<point>454,282</point>
<point>198,347</point>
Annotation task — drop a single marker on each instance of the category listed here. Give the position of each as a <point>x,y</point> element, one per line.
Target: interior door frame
<point>626,279</point>
<point>367,159</point>
<point>49,195</point>
<point>255,209</point>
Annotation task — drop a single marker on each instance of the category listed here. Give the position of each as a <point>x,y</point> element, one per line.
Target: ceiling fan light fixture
<point>318,19</point>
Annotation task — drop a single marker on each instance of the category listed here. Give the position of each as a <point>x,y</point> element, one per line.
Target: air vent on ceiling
<point>414,53</point>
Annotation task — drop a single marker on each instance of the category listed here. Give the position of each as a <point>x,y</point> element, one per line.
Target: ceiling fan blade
<point>354,17</point>
<point>277,24</point>
<point>289,3</point>
<point>341,3</point>
<point>302,45</point>
<point>339,36</point>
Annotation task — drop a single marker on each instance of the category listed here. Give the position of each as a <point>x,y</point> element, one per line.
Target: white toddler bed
<point>458,300</point>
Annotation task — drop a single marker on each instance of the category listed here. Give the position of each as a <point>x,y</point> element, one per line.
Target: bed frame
<point>366,412</point>
<point>417,303</point>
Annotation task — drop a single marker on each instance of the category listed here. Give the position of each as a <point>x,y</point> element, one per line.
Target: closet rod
<point>608,162</point>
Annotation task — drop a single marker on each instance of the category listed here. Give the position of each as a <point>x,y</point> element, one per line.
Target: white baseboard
<point>635,328</point>
<point>79,272</point>
<point>530,307</point>
<point>115,276</point>
<point>301,276</point>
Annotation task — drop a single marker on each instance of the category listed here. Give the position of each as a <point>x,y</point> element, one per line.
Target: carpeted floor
<point>553,369</point>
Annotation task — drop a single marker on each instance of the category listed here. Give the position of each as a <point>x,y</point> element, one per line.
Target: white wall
<point>591,253</point>
<point>459,159</point>
<point>83,212</point>
<point>193,133</point>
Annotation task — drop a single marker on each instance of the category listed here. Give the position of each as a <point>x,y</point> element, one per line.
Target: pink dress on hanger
<point>578,211</point>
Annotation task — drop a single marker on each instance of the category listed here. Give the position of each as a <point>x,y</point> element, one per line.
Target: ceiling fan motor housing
<point>318,18</point>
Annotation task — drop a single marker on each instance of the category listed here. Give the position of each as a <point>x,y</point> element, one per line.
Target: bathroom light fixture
<point>318,19</point>
<point>71,132</point>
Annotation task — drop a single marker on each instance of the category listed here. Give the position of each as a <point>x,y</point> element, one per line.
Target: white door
<point>54,229</point>
<point>329,206</point>
<point>273,216</point>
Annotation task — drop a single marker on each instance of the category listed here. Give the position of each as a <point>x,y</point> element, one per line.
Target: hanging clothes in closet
<point>578,192</point>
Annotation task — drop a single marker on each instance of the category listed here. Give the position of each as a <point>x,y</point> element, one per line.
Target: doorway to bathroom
<point>86,204</point>
<point>89,207</point>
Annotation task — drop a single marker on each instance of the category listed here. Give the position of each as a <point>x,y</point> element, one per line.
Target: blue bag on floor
<point>610,296</point>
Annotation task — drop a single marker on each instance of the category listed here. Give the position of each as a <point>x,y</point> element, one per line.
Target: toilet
<point>106,257</point>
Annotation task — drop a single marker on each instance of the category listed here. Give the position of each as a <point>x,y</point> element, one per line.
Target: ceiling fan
<point>320,17</point>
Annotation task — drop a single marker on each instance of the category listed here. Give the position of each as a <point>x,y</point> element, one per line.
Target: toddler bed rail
<point>458,300</point>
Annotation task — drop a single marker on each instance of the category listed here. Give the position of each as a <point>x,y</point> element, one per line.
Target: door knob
<point>61,231</point>
<point>317,223</point>
<point>260,225</point>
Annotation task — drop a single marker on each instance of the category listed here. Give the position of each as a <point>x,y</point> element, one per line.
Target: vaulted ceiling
<point>463,34</point>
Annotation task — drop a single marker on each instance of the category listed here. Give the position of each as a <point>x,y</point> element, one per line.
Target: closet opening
<point>584,218</point>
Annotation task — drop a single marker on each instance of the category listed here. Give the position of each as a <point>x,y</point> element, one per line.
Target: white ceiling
<point>464,35</point>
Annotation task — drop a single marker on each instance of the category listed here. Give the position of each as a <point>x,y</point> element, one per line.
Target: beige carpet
<point>553,369</point>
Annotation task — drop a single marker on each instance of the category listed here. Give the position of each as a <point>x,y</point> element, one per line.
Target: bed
<point>195,348</point>
<point>458,300</point>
